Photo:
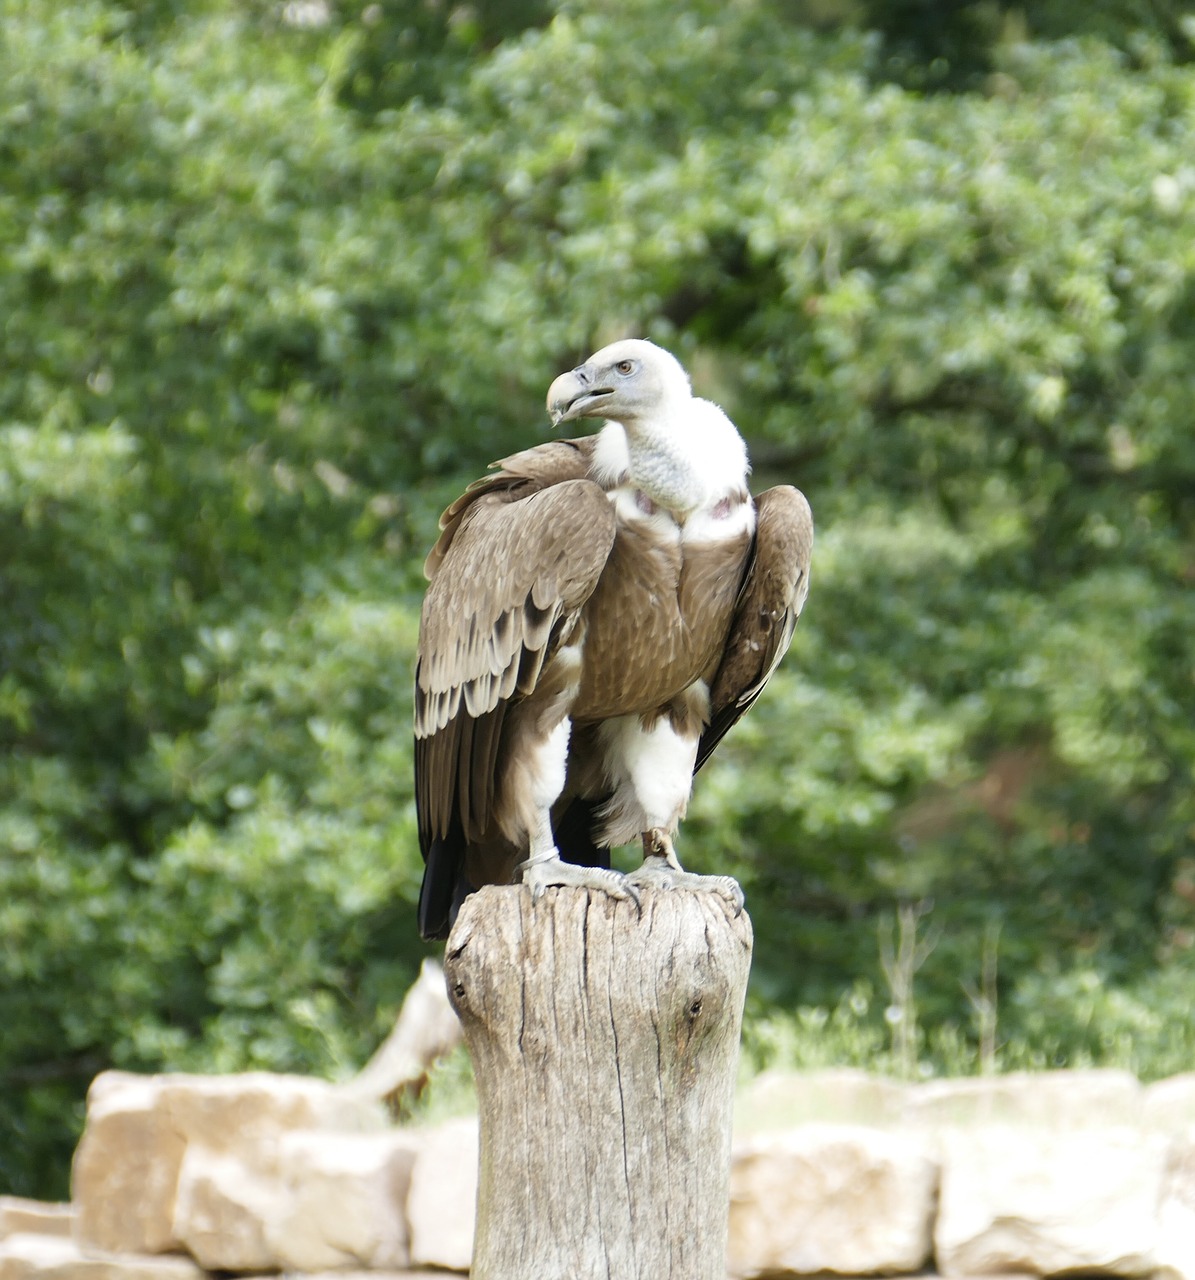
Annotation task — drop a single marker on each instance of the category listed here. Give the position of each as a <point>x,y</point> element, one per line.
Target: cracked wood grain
<point>604,1045</point>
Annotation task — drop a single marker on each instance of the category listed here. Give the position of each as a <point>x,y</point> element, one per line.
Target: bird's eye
<point>625,367</point>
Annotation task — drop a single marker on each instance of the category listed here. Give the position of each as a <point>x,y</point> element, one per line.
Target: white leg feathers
<point>651,771</point>
<point>545,769</point>
<point>646,764</point>
<point>541,780</point>
<point>651,766</point>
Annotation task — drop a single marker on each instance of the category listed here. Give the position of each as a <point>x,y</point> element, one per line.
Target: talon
<point>734,895</point>
<point>658,873</point>
<point>551,871</point>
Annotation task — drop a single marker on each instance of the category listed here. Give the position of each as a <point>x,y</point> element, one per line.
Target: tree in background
<point>277,278</point>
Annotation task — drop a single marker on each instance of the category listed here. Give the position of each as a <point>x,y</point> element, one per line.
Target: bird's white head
<point>628,382</point>
<point>681,452</point>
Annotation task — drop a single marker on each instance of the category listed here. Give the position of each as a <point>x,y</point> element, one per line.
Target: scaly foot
<point>661,869</point>
<point>544,872</point>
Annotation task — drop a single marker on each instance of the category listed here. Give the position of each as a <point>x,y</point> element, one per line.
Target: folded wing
<point>520,555</point>
<point>766,614</point>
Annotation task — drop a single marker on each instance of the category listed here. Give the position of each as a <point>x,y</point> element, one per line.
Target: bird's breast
<point>659,617</point>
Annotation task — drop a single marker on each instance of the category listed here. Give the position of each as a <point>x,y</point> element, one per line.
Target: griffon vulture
<point>600,612</point>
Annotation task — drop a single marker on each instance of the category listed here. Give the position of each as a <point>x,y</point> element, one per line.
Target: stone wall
<point>1043,1174</point>
<point>834,1172</point>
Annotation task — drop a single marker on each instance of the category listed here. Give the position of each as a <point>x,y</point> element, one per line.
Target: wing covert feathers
<point>520,553</point>
<point>514,478</point>
<point>766,614</point>
<point>515,574</point>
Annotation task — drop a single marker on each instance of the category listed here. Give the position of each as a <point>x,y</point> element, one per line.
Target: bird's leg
<point>657,843</point>
<point>661,869</point>
<point>544,868</point>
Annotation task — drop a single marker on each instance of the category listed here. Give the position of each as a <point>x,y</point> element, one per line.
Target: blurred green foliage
<point>279,277</point>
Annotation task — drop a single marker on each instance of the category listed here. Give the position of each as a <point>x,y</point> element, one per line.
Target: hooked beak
<point>573,394</point>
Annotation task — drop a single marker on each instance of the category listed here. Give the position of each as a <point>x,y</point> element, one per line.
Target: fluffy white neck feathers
<point>685,458</point>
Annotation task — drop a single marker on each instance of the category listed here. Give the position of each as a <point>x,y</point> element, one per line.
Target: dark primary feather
<point>574,830</point>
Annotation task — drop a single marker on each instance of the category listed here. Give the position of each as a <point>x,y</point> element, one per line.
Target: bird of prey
<point>600,611</point>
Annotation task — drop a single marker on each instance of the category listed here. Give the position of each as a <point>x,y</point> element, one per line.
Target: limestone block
<point>777,1100</point>
<point>370,1275</point>
<point>1053,1099</point>
<point>221,1211</point>
<point>35,1217</point>
<point>31,1256</point>
<point>347,1201</point>
<point>1169,1105</point>
<point>442,1202</point>
<point>831,1198</point>
<point>1176,1214</point>
<point>1047,1202</point>
<point>126,1169</point>
<point>223,1112</point>
<point>327,1201</point>
<point>38,1257</point>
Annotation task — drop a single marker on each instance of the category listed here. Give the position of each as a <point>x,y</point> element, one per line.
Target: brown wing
<point>520,554</point>
<point>513,478</point>
<point>766,614</point>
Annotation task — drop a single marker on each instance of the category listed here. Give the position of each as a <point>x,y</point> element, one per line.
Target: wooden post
<point>604,1044</point>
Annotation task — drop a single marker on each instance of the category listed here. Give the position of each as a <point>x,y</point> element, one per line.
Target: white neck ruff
<point>687,458</point>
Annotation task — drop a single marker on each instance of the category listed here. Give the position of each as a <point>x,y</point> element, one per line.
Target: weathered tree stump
<point>604,1045</point>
